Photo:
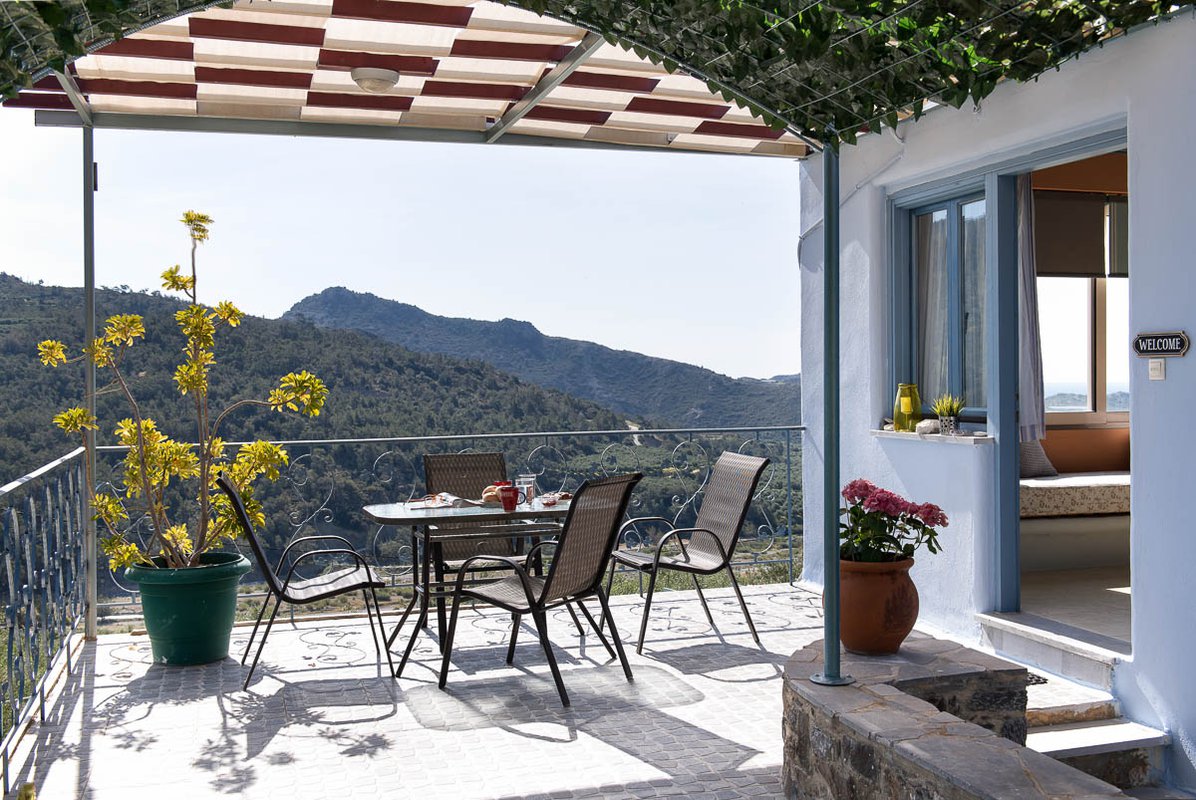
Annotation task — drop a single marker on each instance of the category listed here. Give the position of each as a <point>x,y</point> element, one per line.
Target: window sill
<point>969,439</point>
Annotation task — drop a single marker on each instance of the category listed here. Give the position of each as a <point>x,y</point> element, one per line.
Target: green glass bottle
<point>907,408</point>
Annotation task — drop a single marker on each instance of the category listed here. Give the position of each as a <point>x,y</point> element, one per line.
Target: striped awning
<point>481,67</point>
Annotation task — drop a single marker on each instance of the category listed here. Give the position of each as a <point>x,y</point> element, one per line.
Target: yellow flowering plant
<point>154,460</point>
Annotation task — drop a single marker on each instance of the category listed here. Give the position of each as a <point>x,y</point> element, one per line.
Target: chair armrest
<point>313,553</point>
<point>677,532</point>
<point>510,562</point>
<point>638,520</point>
<point>316,538</point>
<point>538,545</point>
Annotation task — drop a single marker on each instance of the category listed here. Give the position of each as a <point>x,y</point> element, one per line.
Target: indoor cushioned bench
<point>1075,520</point>
<point>1076,494</point>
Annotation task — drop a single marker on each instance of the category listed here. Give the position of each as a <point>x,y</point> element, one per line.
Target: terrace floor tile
<point>321,719</point>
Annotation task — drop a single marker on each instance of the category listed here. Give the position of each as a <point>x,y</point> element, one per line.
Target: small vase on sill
<point>907,407</point>
<point>949,425</point>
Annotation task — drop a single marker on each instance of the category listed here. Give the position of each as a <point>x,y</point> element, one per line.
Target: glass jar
<point>907,408</point>
<point>527,485</point>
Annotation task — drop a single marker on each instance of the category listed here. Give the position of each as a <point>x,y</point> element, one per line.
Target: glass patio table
<point>423,522</point>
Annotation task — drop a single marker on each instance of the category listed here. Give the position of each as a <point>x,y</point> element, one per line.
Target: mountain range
<point>376,388</point>
<point>665,392</point>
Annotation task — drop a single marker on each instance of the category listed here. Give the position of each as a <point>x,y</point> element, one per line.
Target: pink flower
<point>930,514</point>
<point>858,490</point>
<point>886,502</point>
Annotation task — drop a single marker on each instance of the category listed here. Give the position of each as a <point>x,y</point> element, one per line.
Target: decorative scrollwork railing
<point>328,482</point>
<point>41,583</point>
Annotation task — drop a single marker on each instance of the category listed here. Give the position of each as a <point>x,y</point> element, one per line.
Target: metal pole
<point>91,569</point>
<point>830,675</point>
<point>789,497</point>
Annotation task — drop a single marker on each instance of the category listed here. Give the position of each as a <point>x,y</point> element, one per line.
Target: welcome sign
<point>1161,345</point>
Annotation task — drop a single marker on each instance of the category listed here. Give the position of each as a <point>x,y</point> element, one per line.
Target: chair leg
<point>614,634</point>
<point>610,579</point>
<point>447,645</point>
<point>262,643</point>
<point>382,629</point>
<point>402,620</point>
<point>647,607</point>
<point>597,628</point>
<point>743,605</point>
<point>440,610</point>
<point>252,636</point>
<point>419,623</point>
<point>369,612</point>
<point>418,573</point>
<point>514,635</point>
<point>576,622</point>
<point>542,626</point>
<point>702,597</point>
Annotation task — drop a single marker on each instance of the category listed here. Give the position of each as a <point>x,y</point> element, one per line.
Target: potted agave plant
<point>878,539</point>
<point>188,587</point>
<point>948,407</point>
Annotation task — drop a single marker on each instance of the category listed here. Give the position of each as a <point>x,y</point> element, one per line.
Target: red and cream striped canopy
<point>463,67</point>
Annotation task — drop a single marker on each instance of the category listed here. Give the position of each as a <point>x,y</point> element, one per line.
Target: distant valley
<point>664,392</point>
<point>1073,401</point>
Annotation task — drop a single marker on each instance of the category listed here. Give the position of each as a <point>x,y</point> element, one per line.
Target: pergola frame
<point>826,74</point>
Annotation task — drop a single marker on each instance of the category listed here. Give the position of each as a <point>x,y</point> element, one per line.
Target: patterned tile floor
<point>321,720</point>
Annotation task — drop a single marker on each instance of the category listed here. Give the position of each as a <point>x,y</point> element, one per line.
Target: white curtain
<point>1031,410</point>
<point>932,296</point>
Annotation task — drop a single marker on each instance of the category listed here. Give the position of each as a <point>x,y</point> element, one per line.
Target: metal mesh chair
<point>300,591</point>
<point>466,475</point>
<point>707,547</point>
<point>574,574</point>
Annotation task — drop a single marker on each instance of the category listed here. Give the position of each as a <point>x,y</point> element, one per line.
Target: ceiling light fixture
<point>374,80</point>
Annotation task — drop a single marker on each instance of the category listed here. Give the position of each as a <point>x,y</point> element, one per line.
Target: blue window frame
<point>940,283</point>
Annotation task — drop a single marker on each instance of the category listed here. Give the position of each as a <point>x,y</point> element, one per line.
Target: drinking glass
<point>527,485</point>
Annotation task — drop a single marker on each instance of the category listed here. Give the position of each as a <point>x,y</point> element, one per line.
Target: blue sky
<point>688,257</point>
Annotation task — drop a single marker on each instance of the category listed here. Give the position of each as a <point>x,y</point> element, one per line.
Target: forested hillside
<point>377,388</point>
<point>667,392</point>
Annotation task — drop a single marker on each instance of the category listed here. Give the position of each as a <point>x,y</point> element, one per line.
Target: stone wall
<point>935,721</point>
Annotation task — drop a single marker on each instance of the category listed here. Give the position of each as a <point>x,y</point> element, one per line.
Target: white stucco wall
<point>1145,83</point>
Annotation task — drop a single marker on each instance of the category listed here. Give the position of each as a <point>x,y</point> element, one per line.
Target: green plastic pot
<point>189,612</point>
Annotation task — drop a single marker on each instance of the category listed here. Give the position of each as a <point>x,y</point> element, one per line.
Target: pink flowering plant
<point>883,526</point>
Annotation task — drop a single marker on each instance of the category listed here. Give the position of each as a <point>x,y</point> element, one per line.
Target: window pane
<point>1117,344</point>
<point>975,392</point>
<point>930,260</point>
<point>1065,326</point>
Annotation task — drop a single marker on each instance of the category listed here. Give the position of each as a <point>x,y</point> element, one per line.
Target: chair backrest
<point>725,502</point>
<point>588,536</point>
<point>259,553</point>
<point>463,474</point>
<point>466,475</point>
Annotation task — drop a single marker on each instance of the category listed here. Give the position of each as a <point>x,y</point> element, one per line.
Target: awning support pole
<point>90,566</point>
<point>830,675</point>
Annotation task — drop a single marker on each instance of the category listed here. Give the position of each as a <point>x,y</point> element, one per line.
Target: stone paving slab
<point>322,720</point>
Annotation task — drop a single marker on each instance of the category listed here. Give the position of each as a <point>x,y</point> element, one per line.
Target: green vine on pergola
<point>824,70</point>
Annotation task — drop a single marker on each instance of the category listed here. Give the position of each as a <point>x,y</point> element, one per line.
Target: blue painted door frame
<point>1001,253</point>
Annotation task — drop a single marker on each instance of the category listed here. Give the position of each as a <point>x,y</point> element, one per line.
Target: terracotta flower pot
<point>878,605</point>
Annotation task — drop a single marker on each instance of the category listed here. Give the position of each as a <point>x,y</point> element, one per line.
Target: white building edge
<point>1136,95</point>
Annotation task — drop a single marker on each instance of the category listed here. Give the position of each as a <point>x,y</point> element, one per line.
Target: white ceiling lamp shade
<point>374,80</point>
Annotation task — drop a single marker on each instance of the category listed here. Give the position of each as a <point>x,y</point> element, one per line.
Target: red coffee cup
<point>510,496</point>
